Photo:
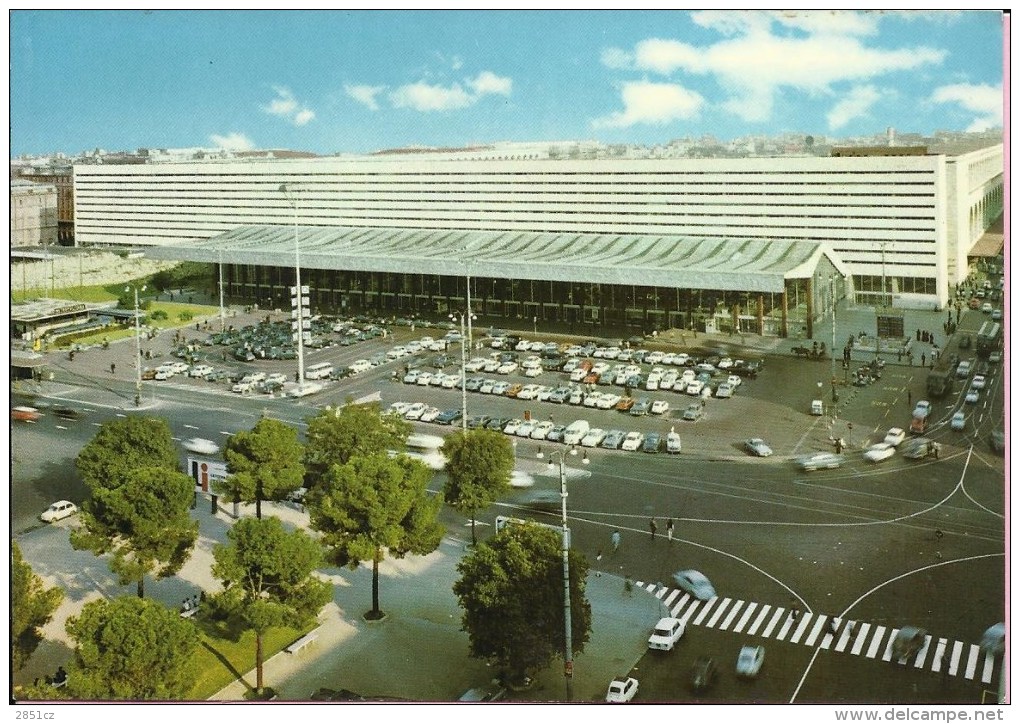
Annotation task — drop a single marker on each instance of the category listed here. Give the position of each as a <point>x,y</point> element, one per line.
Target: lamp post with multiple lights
<point>299,299</point>
<point>138,347</point>
<point>463,317</point>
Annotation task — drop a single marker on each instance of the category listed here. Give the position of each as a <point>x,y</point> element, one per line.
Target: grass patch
<point>226,653</point>
<point>96,293</point>
<point>174,312</point>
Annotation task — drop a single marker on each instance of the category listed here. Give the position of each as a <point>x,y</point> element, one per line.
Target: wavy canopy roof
<point>666,261</point>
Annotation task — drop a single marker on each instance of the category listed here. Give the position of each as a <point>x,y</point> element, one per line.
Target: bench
<point>190,612</point>
<point>302,642</point>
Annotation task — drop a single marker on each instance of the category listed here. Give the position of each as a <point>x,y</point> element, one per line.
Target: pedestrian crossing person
<point>616,540</point>
<point>652,527</point>
<point>669,529</point>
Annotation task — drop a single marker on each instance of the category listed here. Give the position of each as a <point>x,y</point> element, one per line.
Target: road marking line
<point>704,611</point>
<point>972,661</point>
<point>887,652</point>
<point>940,650</point>
<point>719,612</point>
<point>669,599</point>
<point>813,636</point>
<point>919,659</point>
<point>986,674</point>
<point>844,638</point>
<point>788,623</point>
<point>862,637</point>
<point>679,607</point>
<point>60,427</point>
<point>690,612</point>
<point>191,427</point>
<point>954,661</point>
<point>224,432</point>
<point>761,617</point>
<point>876,641</point>
<point>745,618</point>
<point>772,623</point>
<point>732,615</point>
<point>801,629</point>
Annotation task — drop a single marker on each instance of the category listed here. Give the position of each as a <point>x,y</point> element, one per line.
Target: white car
<point>528,392</point>
<point>654,357</point>
<point>399,408</point>
<point>978,383</point>
<point>415,411</point>
<point>681,359</point>
<point>507,368</point>
<point>819,460</point>
<point>593,438</point>
<point>200,371</point>
<point>201,446</point>
<point>724,390</point>
<point>622,689</point>
<point>179,368</point>
<point>879,451</point>
<point>450,382</point>
<point>521,479</point>
<point>749,661</point>
<point>276,378</point>
<point>673,443</point>
<point>58,511</point>
<point>633,441</point>
<point>959,420</point>
<point>430,414</point>
<point>757,446</point>
<point>541,430</point>
<point>895,436</point>
<point>424,379</point>
<point>164,372</point>
<point>734,381</point>
<point>607,401</point>
<point>660,407</point>
<point>511,427</point>
<point>438,379</point>
<point>666,633</point>
<point>922,409</point>
<point>241,387</point>
<point>972,396</point>
<point>725,363</point>
<point>695,387</point>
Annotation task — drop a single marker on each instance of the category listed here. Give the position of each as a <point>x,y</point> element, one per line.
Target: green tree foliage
<point>124,445</point>
<point>162,280</point>
<point>267,581</point>
<point>478,468</point>
<point>145,522</point>
<point>263,464</point>
<point>32,607</point>
<point>131,649</point>
<point>374,505</point>
<point>336,435</point>
<point>511,590</point>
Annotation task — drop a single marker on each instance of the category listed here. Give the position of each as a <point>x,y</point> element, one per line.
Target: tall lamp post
<point>299,291</point>
<point>138,348</point>
<point>568,645</point>
<point>832,352</point>
<point>463,367</point>
<point>223,320</point>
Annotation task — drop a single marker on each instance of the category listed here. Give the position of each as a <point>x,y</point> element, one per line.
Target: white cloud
<point>365,94</point>
<point>752,64</point>
<point>856,104</point>
<point>654,104</point>
<point>232,142</point>
<point>983,100</point>
<point>286,106</point>
<point>428,97</point>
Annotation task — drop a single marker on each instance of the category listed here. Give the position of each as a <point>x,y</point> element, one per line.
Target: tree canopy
<point>478,468</point>
<point>145,522</point>
<point>262,464</point>
<point>32,607</point>
<point>267,578</point>
<point>373,505</point>
<point>124,445</point>
<point>131,649</point>
<point>336,435</point>
<point>511,591</point>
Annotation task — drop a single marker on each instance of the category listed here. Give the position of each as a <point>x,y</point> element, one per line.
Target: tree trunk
<point>474,541</point>
<point>376,613</point>
<point>258,662</point>
<point>258,507</point>
<point>141,587</point>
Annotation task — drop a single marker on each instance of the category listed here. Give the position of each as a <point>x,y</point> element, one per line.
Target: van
<point>575,431</point>
<point>817,407</point>
<point>319,371</point>
<point>360,365</point>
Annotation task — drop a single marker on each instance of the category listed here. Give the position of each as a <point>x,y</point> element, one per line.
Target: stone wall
<point>90,269</point>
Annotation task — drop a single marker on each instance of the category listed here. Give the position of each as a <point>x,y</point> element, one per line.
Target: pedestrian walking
<point>113,368</point>
<point>833,626</point>
<point>922,359</point>
<point>910,398</point>
<point>616,540</point>
<point>669,529</point>
<point>652,527</point>
<point>598,556</point>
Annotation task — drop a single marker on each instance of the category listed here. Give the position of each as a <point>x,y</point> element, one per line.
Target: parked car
<point>704,674</point>
<point>695,583</point>
<point>665,634</point>
<point>724,390</point>
<point>660,407</point>
<point>200,371</point>
<point>749,661</point>
<point>757,446</point>
<point>673,443</point>
<point>879,451</point>
<point>622,689</point>
<point>556,433</point>
<point>908,642</point>
<point>653,443</point>
<point>895,436</point>
<point>819,460</point>
<point>613,439</point>
<point>641,407</point>
<point>448,417</point>
<point>593,438</point>
<point>58,511</point>
<point>633,441</point>
<point>694,412</point>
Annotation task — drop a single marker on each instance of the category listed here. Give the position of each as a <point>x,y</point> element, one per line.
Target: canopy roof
<point>667,261</point>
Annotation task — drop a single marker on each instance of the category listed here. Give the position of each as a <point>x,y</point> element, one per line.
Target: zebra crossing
<point>858,638</point>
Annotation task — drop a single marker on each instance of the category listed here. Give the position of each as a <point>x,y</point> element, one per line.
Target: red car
<point>26,414</point>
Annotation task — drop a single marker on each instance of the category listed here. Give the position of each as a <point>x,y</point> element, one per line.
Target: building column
<point>761,314</point>
<point>810,307</point>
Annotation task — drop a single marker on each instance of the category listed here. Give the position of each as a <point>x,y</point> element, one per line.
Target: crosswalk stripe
<point>732,615</point>
<point>772,622</point>
<point>719,611</point>
<point>986,674</point>
<point>704,611</point>
<point>844,638</point>
<point>673,594</point>
<point>919,659</point>
<point>801,629</point>
<point>690,612</point>
<point>862,637</point>
<point>972,661</point>
<point>940,652</point>
<point>954,661</point>
<point>813,636</point>
<point>788,623</point>
<point>876,641</point>
<point>746,617</point>
<point>887,652</point>
<point>684,600</point>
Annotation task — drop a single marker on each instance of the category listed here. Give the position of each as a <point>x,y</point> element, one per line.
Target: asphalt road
<point>888,544</point>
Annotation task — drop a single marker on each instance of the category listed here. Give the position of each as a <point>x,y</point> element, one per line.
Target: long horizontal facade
<point>895,221</point>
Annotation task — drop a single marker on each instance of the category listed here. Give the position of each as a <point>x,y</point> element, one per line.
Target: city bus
<point>989,337</point>
<point>319,371</point>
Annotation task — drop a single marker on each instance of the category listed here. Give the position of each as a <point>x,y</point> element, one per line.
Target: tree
<point>162,280</point>
<point>263,464</point>
<point>145,522</point>
<point>336,435</point>
<point>372,505</point>
<point>478,468</point>
<point>267,581</point>
<point>32,607</point>
<point>131,649</point>
<point>124,445</point>
<point>511,590</point>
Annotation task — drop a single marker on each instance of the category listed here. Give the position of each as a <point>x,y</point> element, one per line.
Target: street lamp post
<point>463,368</point>
<point>568,646</point>
<point>138,350</point>
<point>832,352</point>
<point>299,291</point>
<point>223,321</point>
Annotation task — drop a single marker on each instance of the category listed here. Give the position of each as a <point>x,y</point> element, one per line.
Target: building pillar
<point>810,307</point>
<point>761,314</point>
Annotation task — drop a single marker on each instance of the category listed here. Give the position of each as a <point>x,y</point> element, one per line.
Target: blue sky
<point>360,81</point>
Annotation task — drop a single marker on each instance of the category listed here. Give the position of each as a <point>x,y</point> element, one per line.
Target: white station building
<point>760,245</point>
